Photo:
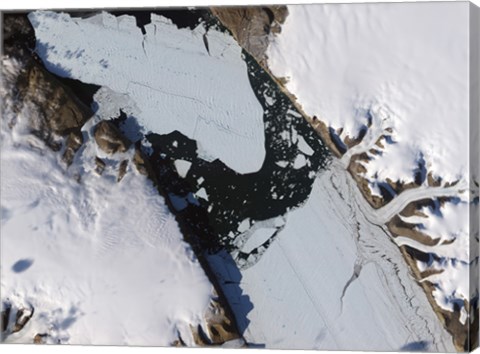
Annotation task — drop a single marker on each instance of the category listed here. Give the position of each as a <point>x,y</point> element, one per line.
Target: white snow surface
<point>168,74</point>
<point>105,261</point>
<point>408,59</point>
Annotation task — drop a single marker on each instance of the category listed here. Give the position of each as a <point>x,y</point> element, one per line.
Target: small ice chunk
<point>294,135</point>
<point>285,135</point>
<point>282,164</point>
<point>268,100</point>
<point>244,225</point>
<point>300,161</point>
<point>304,147</point>
<point>202,193</point>
<point>182,167</point>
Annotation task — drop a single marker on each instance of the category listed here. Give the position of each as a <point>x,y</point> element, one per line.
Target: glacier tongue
<point>176,80</point>
<point>333,280</point>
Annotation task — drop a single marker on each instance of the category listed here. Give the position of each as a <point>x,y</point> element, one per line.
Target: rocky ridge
<point>251,26</point>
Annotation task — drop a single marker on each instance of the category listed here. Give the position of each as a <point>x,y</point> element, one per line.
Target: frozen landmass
<point>99,262</point>
<point>411,60</point>
<point>195,82</point>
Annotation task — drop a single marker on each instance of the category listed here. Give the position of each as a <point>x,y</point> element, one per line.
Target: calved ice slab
<point>207,91</point>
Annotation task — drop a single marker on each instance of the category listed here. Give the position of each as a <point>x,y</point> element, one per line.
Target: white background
<point>45,4</point>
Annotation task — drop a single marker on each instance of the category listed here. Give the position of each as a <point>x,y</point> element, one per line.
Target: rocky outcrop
<point>21,319</point>
<point>59,110</point>
<point>40,338</point>
<point>99,165</point>
<point>355,154</point>
<point>5,316</point>
<point>53,109</point>
<point>109,138</point>
<point>73,142</point>
<point>252,25</point>
<point>13,319</point>
<point>220,326</point>
<point>122,170</point>
<point>143,165</point>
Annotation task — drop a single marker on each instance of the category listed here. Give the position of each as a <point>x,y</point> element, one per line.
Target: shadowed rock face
<point>58,112</point>
<point>251,26</point>
<point>109,138</point>
<point>73,142</point>
<point>18,35</point>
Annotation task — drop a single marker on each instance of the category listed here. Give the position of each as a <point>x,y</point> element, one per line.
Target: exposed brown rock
<point>199,336</point>
<point>379,143</point>
<point>59,111</point>
<point>122,170</point>
<point>400,186</point>
<point>351,142</point>
<point>451,184</point>
<point>72,144</point>
<point>143,165</point>
<point>221,328</point>
<point>414,208</point>
<point>322,130</point>
<point>178,343</point>
<point>398,227</point>
<point>252,25</point>
<point>356,170</point>
<point>40,338</point>
<point>21,319</point>
<point>109,138</point>
<point>99,165</point>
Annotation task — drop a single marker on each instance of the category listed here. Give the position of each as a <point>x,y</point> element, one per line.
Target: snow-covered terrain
<point>195,82</point>
<point>410,60</point>
<point>100,262</point>
<point>400,69</point>
<point>334,280</point>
